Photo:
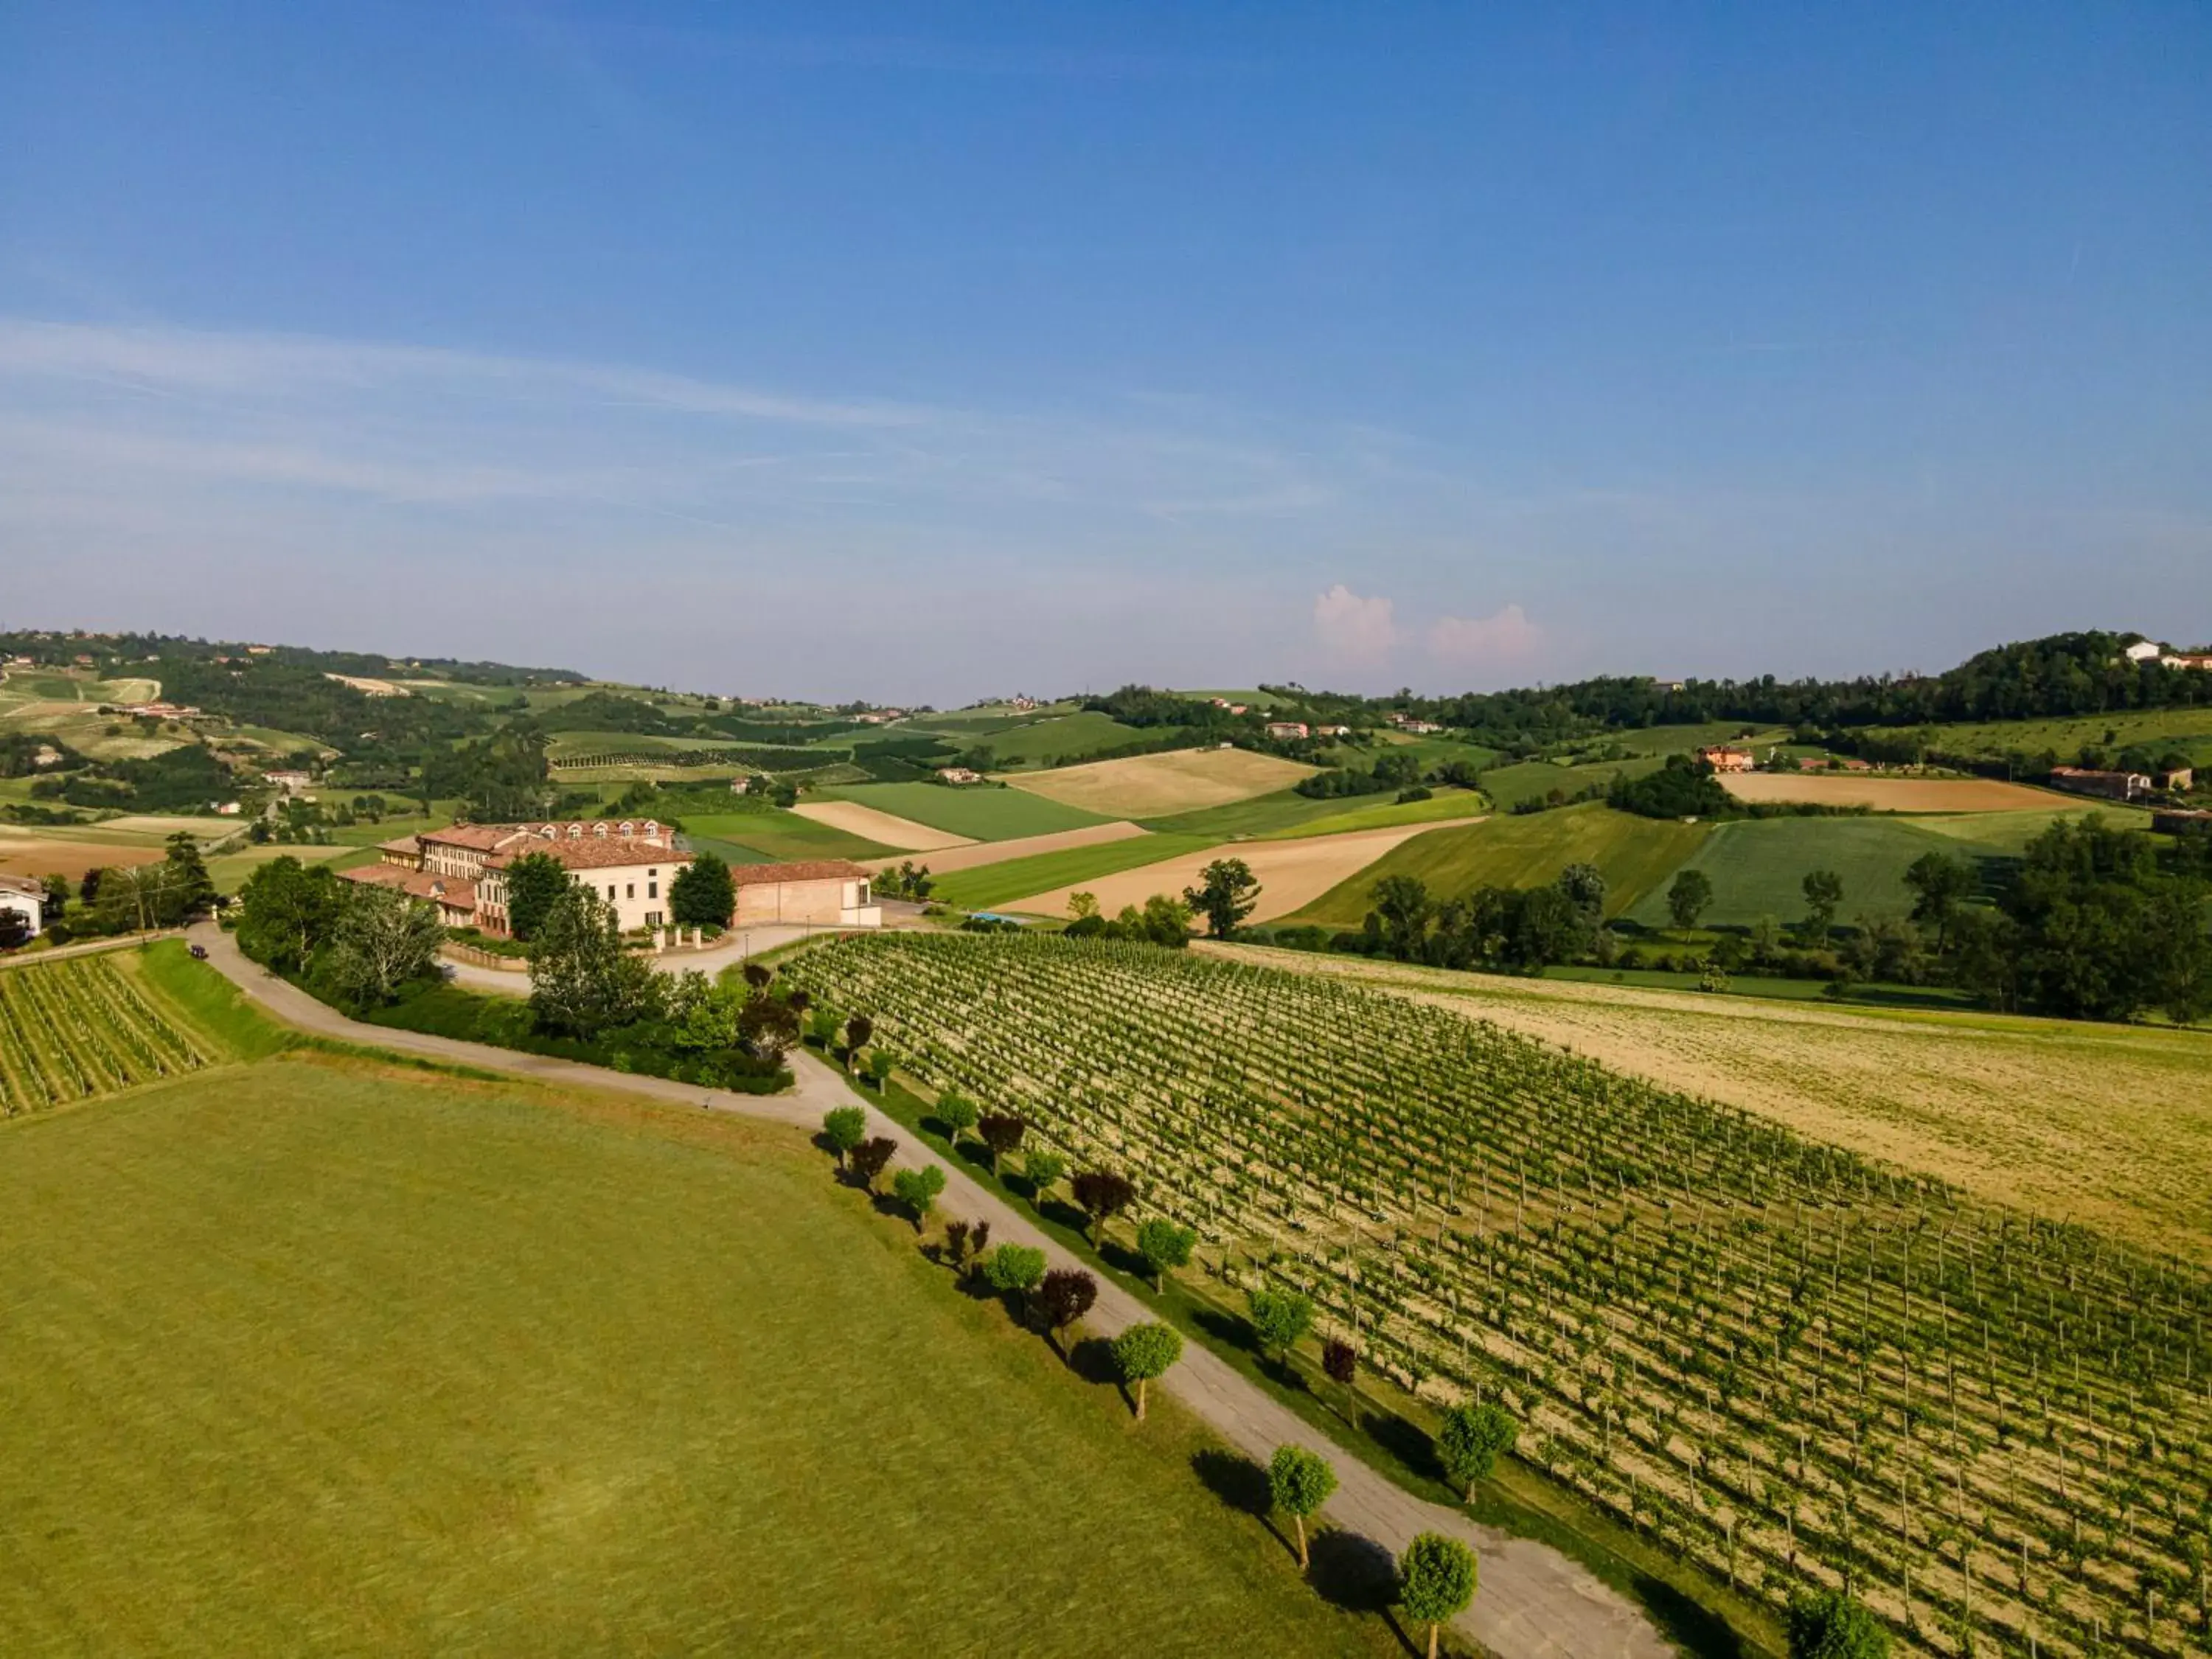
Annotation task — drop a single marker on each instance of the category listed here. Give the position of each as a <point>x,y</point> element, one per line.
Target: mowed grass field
<point>772,836</point>
<point>1159,785</point>
<point>987,886</point>
<point>1890,794</point>
<point>2189,729</point>
<point>980,814</point>
<point>1036,741</point>
<point>1637,855</point>
<point>1509,786</point>
<point>2106,1125</point>
<point>323,1356</point>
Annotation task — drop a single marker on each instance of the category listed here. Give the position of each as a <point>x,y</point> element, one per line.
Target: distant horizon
<point>930,353</point>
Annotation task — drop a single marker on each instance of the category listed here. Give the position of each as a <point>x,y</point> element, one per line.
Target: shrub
<point>1469,1440</point>
<point>845,1128</point>
<point>1143,1354</point>
<point>1436,1581</point>
<point>1299,1482</point>
<point>1280,1318</point>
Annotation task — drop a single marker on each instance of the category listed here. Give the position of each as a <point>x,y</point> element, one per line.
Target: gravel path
<point>1533,1602</point>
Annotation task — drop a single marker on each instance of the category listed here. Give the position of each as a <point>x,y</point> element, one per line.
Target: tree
<point>879,1068</point>
<point>1941,884</point>
<point>286,911</point>
<point>1280,1318</point>
<point>957,1113</point>
<point>581,981</point>
<point>194,888</point>
<point>1143,1354</point>
<point>1101,1194</point>
<point>87,887</point>
<point>1824,892</point>
<point>1300,1482</point>
<point>918,1189</point>
<point>15,929</point>
<point>1164,1246</point>
<point>1583,885</point>
<point>382,940</point>
<point>768,1029</point>
<point>1688,897</point>
<point>858,1030</point>
<point>1015,1269</point>
<point>1002,1133</point>
<point>1401,915</point>
<point>1043,1168</point>
<point>1340,1362</point>
<point>759,976</point>
<point>1064,1297</point>
<point>535,882</point>
<point>1436,1581</point>
<point>703,895</point>
<point>869,1158</point>
<point>1830,1625</point>
<point>1226,892</point>
<point>1082,905</point>
<point>1469,1440</point>
<point>845,1128</point>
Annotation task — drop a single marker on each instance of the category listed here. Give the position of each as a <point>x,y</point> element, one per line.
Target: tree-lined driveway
<point>1534,1602</point>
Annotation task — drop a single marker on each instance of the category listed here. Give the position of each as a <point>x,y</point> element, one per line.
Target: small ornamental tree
<point>870,1158</point>
<point>879,1068</point>
<point>918,1189</point>
<point>1002,1133</point>
<point>821,1028</point>
<point>1064,1297</point>
<point>953,1249</point>
<point>957,1113</point>
<point>1101,1194</point>
<point>1300,1482</point>
<point>858,1030</point>
<point>1280,1318</point>
<point>1164,1246</point>
<point>1143,1354</point>
<point>845,1128</point>
<point>703,895</point>
<point>1043,1169</point>
<point>979,1240</point>
<point>1436,1582</point>
<point>1830,1625</point>
<point>1340,1361</point>
<point>758,977</point>
<point>1469,1440</point>
<point>1015,1268</point>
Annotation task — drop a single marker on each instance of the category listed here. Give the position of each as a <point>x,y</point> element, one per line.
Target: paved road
<point>1535,1603</point>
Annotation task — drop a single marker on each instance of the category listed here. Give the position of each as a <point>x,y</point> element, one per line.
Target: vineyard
<point>74,1029</point>
<point>1785,1363</point>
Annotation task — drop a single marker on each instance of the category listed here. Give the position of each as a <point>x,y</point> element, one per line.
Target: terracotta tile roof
<point>401,844</point>
<point>592,852</point>
<point>769,875</point>
<point>24,884</point>
<point>483,837</point>
<point>416,884</point>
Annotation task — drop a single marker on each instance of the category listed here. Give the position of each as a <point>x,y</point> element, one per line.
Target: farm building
<point>959,775</point>
<point>2178,780</point>
<point>2200,661</point>
<point>1286,728</point>
<point>290,782</point>
<point>821,893</point>
<point>22,896</point>
<point>2180,820</point>
<point>629,862</point>
<point>2141,651</point>
<point>1724,759</point>
<point>2113,786</point>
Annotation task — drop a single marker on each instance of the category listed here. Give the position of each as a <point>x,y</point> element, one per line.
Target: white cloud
<point>1352,629</point>
<point>1504,640</point>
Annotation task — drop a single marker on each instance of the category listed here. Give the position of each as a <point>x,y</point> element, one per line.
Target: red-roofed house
<point>821,892</point>
<point>1728,760</point>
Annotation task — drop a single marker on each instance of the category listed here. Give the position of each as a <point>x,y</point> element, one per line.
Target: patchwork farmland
<point>1793,1365</point>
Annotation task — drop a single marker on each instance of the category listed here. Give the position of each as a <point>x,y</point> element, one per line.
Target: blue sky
<point>934,351</point>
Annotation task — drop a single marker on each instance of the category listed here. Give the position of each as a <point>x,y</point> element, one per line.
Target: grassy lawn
<point>2189,729</point>
<point>1286,813</point>
<point>331,1358</point>
<point>990,885</point>
<point>1509,786</point>
<point>1758,867</point>
<point>772,836</point>
<point>1637,855</point>
<point>1058,737</point>
<point>1384,810</point>
<point>981,814</point>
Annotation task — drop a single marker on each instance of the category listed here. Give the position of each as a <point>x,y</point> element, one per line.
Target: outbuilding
<point>819,893</point>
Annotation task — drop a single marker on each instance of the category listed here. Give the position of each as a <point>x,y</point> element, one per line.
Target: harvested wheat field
<point>1292,874</point>
<point>971,855</point>
<point>1891,794</point>
<point>2106,1125</point>
<point>1159,785</point>
<point>881,828</point>
<point>34,855</point>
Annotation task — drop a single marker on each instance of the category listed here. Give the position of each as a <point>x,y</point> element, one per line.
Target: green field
<point>991,884</point>
<point>1284,811</point>
<point>1637,855</point>
<point>1064,737</point>
<point>772,836</point>
<point>1509,786</point>
<point>979,813</point>
<point>331,1357</point>
<point>1384,810</point>
<point>2189,729</point>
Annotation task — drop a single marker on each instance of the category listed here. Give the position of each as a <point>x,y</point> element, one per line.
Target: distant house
<point>741,786</point>
<point>2178,780</point>
<point>1418,728</point>
<point>1722,758</point>
<point>958,774</point>
<point>2200,661</point>
<point>1332,730</point>
<point>290,782</point>
<point>1667,685</point>
<point>2141,651</point>
<point>463,870</point>
<point>2174,820</point>
<point>2113,786</point>
<point>20,896</point>
<point>1849,763</point>
<point>1021,705</point>
<point>159,711</point>
<point>1286,729</point>
<point>822,892</point>
<point>225,809</point>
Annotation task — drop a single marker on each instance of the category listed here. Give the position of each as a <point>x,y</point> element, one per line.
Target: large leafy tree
<point>703,895</point>
<point>581,981</point>
<point>381,941</point>
<point>1824,893</point>
<point>194,889</point>
<point>1300,1482</point>
<point>535,882</point>
<point>1940,885</point>
<point>1401,915</point>
<point>1280,1318</point>
<point>287,910</point>
<point>1469,1441</point>
<point>1226,892</point>
<point>1687,898</point>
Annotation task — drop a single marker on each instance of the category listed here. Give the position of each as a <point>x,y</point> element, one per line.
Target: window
<point>610,890</point>
<point>630,891</point>
<point>652,889</point>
